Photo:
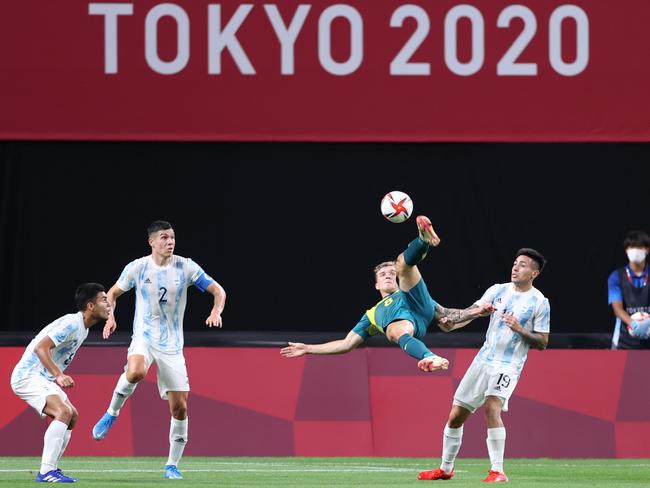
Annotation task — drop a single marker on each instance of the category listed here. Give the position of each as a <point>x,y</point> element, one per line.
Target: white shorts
<point>35,390</point>
<point>481,380</point>
<point>172,372</point>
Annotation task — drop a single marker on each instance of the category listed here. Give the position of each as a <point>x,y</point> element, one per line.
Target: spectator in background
<point>628,294</point>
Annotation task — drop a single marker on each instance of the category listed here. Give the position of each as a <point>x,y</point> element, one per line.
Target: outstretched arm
<point>341,346</point>
<point>219,294</point>
<point>449,319</point>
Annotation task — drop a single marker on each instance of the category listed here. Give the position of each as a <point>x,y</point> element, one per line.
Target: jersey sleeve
<point>488,296</point>
<point>614,292</point>
<point>197,276</point>
<point>62,332</point>
<point>542,321</point>
<point>126,280</point>
<point>362,327</point>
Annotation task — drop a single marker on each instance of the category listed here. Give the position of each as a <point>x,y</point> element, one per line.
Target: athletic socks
<point>123,390</point>
<point>52,445</point>
<point>415,252</point>
<point>66,441</point>
<point>496,444</point>
<point>414,347</point>
<point>452,439</point>
<point>177,440</point>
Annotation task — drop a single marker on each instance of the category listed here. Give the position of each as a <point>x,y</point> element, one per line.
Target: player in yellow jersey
<point>405,312</point>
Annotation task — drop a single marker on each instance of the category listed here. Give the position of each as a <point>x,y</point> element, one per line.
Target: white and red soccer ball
<point>396,206</point>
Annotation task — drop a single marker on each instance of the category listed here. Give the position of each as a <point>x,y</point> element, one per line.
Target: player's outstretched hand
<point>294,350</point>
<point>433,363</point>
<point>214,320</point>
<point>110,327</point>
<point>64,381</point>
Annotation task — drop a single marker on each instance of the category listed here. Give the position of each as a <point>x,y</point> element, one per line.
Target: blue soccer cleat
<point>60,471</point>
<point>54,476</point>
<point>172,473</point>
<point>102,426</point>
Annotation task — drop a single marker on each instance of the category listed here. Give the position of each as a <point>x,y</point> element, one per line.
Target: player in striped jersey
<point>39,377</point>
<point>161,281</point>
<point>520,319</point>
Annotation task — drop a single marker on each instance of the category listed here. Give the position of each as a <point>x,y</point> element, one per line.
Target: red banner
<point>371,402</point>
<point>385,70</point>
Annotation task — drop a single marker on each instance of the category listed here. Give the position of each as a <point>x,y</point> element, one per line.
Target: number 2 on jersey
<point>163,292</point>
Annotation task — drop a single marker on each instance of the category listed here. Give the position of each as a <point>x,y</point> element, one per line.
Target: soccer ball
<point>396,206</point>
<point>641,329</point>
<point>640,316</point>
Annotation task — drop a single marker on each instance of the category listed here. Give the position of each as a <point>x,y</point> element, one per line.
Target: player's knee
<point>135,375</point>
<point>64,414</point>
<point>179,411</point>
<point>493,409</point>
<point>75,416</point>
<point>454,421</point>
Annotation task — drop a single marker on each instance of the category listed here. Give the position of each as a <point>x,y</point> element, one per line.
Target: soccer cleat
<point>427,234</point>
<point>436,474</point>
<point>54,476</point>
<point>172,473</point>
<point>433,363</point>
<point>496,477</point>
<point>102,426</point>
<point>60,471</point>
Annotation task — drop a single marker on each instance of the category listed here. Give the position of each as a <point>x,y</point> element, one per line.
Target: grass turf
<point>330,472</point>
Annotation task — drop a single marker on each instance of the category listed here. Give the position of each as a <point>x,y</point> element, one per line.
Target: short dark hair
<point>534,255</point>
<point>158,225</point>
<point>636,238</point>
<point>86,293</point>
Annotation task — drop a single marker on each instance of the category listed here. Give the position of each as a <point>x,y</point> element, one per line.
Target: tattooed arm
<point>449,319</point>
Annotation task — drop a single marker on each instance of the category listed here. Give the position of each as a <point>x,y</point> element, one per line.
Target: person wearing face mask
<point>629,295</point>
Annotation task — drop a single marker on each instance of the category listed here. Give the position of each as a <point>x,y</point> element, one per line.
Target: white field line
<point>289,468</point>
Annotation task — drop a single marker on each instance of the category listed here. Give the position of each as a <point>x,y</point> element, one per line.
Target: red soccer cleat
<point>436,474</point>
<point>433,363</point>
<point>427,234</point>
<point>496,477</point>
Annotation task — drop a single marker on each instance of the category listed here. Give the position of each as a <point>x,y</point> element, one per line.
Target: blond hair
<point>383,265</point>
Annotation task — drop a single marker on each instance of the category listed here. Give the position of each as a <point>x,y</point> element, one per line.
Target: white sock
<point>452,440</point>
<point>52,445</point>
<point>66,441</point>
<point>123,390</point>
<point>177,440</point>
<point>496,444</point>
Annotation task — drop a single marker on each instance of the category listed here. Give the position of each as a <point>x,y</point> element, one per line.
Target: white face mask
<point>636,255</point>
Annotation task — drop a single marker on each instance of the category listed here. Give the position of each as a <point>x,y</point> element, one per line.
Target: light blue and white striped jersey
<point>160,297</point>
<point>503,346</point>
<point>67,333</point>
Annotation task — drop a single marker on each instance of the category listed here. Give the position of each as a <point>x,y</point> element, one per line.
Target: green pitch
<point>330,472</point>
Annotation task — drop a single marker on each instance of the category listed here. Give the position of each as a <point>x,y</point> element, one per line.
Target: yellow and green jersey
<point>416,306</point>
